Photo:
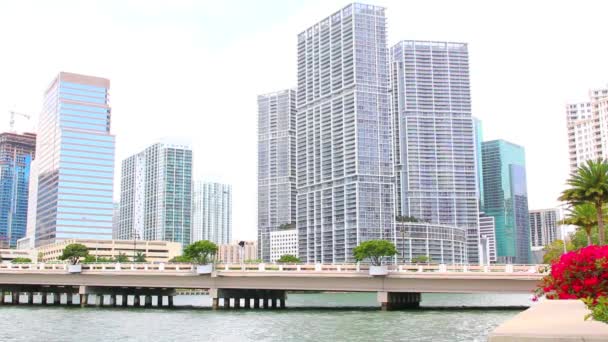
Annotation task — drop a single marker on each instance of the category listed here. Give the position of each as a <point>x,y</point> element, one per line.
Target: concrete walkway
<point>551,320</point>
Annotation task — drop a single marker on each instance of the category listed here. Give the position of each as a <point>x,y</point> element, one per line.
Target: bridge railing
<point>182,268</point>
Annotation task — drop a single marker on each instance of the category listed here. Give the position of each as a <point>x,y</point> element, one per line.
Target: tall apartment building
<point>156,193</point>
<point>506,199</point>
<point>212,212</point>
<point>544,226</point>
<point>487,236</point>
<point>435,137</point>
<point>345,172</point>
<point>75,157</point>
<point>16,154</point>
<point>283,242</point>
<point>233,253</point>
<point>276,165</point>
<point>588,128</point>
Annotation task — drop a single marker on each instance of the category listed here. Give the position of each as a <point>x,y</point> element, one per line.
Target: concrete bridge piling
<point>267,299</point>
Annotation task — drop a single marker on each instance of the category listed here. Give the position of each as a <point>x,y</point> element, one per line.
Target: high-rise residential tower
<point>435,138</point>
<point>212,212</point>
<point>276,165</point>
<point>506,199</point>
<point>75,157</point>
<point>588,128</point>
<point>345,172</point>
<point>544,226</point>
<point>16,154</point>
<point>156,193</point>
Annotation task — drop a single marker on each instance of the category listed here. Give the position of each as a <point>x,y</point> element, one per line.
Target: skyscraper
<point>487,234</point>
<point>16,154</point>
<point>276,165</point>
<point>544,226</point>
<point>75,158</point>
<point>156,193</point>
<point>506,199</point>
<point>588,128</point>
<point>212,212</point>
<point>434,137</point>
<point>345,176</point>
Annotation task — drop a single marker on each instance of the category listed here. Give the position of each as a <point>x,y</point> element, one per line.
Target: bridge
<point>254,285</point>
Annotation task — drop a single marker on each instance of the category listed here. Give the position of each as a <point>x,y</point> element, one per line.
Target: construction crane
<point>12,122</point>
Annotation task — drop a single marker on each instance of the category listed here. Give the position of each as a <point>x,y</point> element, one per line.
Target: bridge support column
<point>30,298</point>
<point>237,303</point>
<point>98,299</point>
<point>1,297</point>
<point>43,297</point>
<point>15,297</point>
<point>170,301</point>
<point>69,297</point>
<point>398,300</point>
<point>281,303</point>
<point>256,303</point>
<point>56,298</point>
<point>136,301</point>
<point>84,299</point>
<point>148,301</point>
<point>247,303</point>
<point>113,300</point>
<point>124,300</point>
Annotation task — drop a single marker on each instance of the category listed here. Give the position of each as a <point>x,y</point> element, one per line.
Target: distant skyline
<point>195,68</point>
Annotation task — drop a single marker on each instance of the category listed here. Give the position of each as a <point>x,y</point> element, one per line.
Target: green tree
<point>400,218</point>
<point>421,259</point>
<point>74,252</point>
<point>140,257</point>
<point>589,184</point>
<point>253,261</point>
<point>289,258</point>
<point>21,261</point>
<point>583,216</point>
<point>579,238</point>
<point>201,252</point>
<point>374,250</point>
<point>180,258</point>
<point>555,249</point>
<point>89,259</point>
<point>122,257</point>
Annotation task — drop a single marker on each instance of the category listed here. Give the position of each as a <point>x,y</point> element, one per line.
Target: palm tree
<point>583,216</point>
<point>589,184</point>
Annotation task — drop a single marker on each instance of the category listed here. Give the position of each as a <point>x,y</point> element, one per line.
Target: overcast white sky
<point>194,69</point>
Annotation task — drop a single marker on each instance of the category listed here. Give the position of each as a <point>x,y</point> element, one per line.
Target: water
<point>311,317</point>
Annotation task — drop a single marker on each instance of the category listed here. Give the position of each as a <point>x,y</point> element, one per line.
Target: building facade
<point>441,244</point>
<point>506,199</point>
<point>544,226</point>
<point>154,251</point>
<point>233,253</point>
<point>75,157</point>
<point>435,137</point>
<point>283,242</point>
<point>212,212</point>
<point>276,165</point>
<point>487,237</point>
<point>16,154</point>
<point>588,128</point>
<point>156,193</point>
<point>345,172</point>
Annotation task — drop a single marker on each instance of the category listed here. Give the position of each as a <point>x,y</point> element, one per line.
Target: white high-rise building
<point>276,165</point>
<point>212,212</point>
<point>345,172</point>
<point>544,226</point>
<point>156,193</point>
<point>487,238</point>
<point>435,138</point>
<point>588,128</point>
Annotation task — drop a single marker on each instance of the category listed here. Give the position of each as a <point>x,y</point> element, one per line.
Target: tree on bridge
<point>421,259</point>
<point>200,252</point>
<point>74,252</point>
<point>288,258</point>
<point>140,257</point>
<point>375,251</point>
<point>21,261</point>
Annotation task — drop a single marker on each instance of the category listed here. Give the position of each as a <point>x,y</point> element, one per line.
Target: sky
<point>193,69</point>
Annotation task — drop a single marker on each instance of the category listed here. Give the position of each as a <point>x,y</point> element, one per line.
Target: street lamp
<point>403,235</point>
<point>241,250</point>
<point>135,237</point>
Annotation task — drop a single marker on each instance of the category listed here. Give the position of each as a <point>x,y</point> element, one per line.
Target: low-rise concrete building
<point>231,253</point>
<point>283,242</point>
<point>7,255</point>
<point>155,251</point>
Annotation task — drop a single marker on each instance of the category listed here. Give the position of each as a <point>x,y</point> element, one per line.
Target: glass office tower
<point>212,212</point>
<point>75,157</point>
<point>506,199</point>
<point>156,193</point>
<point>435,138</point>
<point>16,153</point>
<point>345,176</point>
<point>276,166</point>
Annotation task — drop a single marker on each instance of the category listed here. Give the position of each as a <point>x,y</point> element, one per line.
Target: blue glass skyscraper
<point>506,199</point>
<point>75,161</point>
<point>16,153</point>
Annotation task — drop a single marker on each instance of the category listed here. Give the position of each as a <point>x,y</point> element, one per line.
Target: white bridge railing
<point>179,268</point>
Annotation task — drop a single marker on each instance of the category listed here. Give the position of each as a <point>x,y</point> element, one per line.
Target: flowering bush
<point>581,274</point>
